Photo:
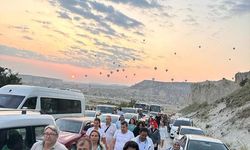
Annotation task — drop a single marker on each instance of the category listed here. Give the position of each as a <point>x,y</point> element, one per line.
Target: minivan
<point>57,102</point>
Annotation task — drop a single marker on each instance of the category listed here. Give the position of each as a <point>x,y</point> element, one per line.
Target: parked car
<point>24,127</point>
<point>199,142</point>
<point>72,129</point>
<point>105,109</point>
<point>180,122</point>
<point>128,116</point>
<point>90,113</point>
<point>114,118</point>
<point>129,110</point>
<point>187,130</point>
<point>155,108</point>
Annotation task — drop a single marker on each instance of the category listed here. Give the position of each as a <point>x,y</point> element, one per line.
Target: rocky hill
<point>209,91</point>
<point>227,118</point>
<point>179,94</point>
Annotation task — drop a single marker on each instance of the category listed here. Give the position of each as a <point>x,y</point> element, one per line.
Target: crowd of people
<point>132,135</point>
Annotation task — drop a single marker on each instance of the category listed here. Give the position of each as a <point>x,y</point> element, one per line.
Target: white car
<point>179,122</point>
<point>105,109</point>
<point>90,113</point>
<point>22,128</point>
<point>128,116</point>
<point>129,110</point>
<point>187,130</point>
<point>199,142</point>
<point>114,118</point>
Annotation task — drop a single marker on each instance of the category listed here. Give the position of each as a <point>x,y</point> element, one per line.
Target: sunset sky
<point>126,41</point>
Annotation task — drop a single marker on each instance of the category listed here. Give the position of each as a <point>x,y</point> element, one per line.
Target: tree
<point>7,77</point>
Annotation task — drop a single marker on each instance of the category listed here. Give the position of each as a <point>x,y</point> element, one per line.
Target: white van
<point>22,130</point>
<point>105,109</point>
<point>57,102</point>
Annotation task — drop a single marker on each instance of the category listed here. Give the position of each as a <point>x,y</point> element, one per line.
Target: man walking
<point>109,129</point>
<point>144,142</point>
<point>121,137</point>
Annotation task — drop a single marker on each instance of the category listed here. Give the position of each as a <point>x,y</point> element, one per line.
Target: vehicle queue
<point>106,128</point>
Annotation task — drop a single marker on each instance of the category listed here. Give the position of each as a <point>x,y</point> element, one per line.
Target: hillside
<point>209,91</point>
<point>227,118</point>
<point>173,94</point>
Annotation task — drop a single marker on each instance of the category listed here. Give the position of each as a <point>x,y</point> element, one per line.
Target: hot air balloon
<point>108,75</point>
<point>166,70</point>
<point>155,68</point>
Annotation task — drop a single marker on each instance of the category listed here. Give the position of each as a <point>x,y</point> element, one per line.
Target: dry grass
<point>239,97</point>
<point>194,107</point>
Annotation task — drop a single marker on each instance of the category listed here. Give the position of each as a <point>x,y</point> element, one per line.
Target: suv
<point>179,122</point>
<point>20,129</point>
<point>187,130</point>
<point>199,142</point>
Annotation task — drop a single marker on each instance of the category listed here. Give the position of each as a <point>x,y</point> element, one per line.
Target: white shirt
<point>101,132</point>
<point>146,145</point>
<point>39,146</point>
<point>109,133</point>
<point>121,139</point>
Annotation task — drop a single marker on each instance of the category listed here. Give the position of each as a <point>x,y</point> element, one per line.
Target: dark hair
<point>99,137</point>
<point>131,144</point>
<point>143,129</point>
<point>140,122</point>
<point>121,116</point>
<point>132,119</point>
<point>124,123</point>
<point>98,119</point>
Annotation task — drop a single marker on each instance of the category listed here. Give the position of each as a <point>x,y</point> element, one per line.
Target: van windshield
<point>10,101</point>
<point>155,108</point>
<point>105,109</point>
